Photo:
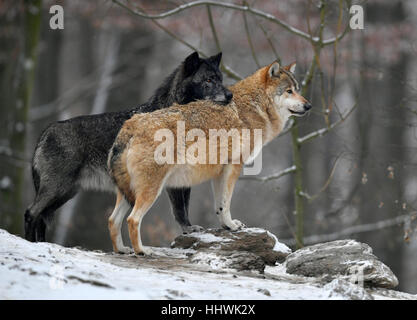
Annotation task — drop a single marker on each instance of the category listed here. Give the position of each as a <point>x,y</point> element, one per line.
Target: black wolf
<point>72,154</point>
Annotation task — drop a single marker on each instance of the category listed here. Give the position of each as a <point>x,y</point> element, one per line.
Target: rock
<point>348,290</point>
<point>250,243</point>
<point>239,260</point>
<point>346,259</point>
<point>265,292</point>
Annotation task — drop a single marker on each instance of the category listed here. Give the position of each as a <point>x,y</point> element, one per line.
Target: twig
<point>254,11</point>
<point>327,183</point>
<point>352,230</point>
<point>213,29</point>
<point>340,36</point>
<point>308,77</point>
<point>272,176</point>
<point>231,73</point>
<point>287,128</point>
<point>248,37</point>
<point>268,38</point>
<point>335,60</point>
<point>321,132</point>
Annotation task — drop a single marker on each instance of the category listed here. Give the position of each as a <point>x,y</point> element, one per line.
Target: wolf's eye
<point>289,91</point>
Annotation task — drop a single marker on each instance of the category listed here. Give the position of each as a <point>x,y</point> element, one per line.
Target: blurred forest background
<point>355,174</point>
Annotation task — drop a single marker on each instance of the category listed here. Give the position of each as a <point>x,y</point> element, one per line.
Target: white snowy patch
<point>352,291</point>
<point>210,259</point>
<point>279,246</point>
<point>208,237</point>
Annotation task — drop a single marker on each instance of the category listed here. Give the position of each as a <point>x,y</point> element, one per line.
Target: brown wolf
<point>263,101</point>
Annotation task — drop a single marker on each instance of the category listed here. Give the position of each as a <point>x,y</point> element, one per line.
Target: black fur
<point>72,154</point>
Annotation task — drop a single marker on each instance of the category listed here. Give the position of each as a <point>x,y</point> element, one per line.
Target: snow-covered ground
<point>49,271</point>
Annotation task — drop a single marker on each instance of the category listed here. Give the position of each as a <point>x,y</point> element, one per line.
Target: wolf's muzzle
<point>226,98</point>
<point>306,107</point>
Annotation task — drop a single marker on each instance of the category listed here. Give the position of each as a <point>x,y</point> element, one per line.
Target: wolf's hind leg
<point>115,224</point>
<point>40,230</point>
<point>223,189</point>
<point>40,212</point>
<point>147,190</point>
<point>142,205</point>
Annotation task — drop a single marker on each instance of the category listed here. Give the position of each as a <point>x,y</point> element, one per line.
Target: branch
<point>308,76</point>
<point>353,230</point>
<point>327,183</point>
<point>272,176</point>
<point>231,73</point>
<point>248,37</point>
<point>268,38</point>
<point>14,157</point>
<point>321,132</point>
<point>254,11</point>
<point>213,29</point>
<point>84,88</point>
<point>290,123</point>
<point>344,32</point>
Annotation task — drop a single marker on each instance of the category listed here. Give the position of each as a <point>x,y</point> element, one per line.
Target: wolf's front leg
<point>223,189</point>
<point>180,199</point>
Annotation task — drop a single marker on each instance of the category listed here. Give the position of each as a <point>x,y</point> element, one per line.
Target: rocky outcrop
<point>340,265</point>
<point>246,249</point>
<point>342,259</point>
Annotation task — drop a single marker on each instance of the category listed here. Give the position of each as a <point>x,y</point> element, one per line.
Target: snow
<point>210,259</point>
<point>50,271</point>
<point>279,246</point>
<point>208,237</point>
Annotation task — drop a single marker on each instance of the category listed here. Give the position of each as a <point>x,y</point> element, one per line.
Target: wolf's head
<point>283,89</point>
<point>202,80</point>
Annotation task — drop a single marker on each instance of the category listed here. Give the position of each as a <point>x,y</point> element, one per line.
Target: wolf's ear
<point>216,59</point>
<point>191,63</point>
<point>291,67</point>
<point>273,70</point>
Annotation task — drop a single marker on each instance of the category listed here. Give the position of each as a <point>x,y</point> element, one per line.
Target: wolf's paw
<point>191,229</point>
<point>125,250</point>
<point>144,251</point>
<point>239,224</point>
<point>234,225</point>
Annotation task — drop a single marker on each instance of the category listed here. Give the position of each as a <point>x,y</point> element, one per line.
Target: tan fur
<point>112,229</point>
<point>141,179</point>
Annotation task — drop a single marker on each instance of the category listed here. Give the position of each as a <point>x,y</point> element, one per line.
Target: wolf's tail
<point>35,225</point>
<point>34,221</point>
<point>52,186</point>
<point>118,168</point>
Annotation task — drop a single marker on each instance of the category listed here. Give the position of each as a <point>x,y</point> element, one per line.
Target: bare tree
<point>17,95</point>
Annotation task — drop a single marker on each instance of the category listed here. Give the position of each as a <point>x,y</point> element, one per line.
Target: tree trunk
<point>12,174</point>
